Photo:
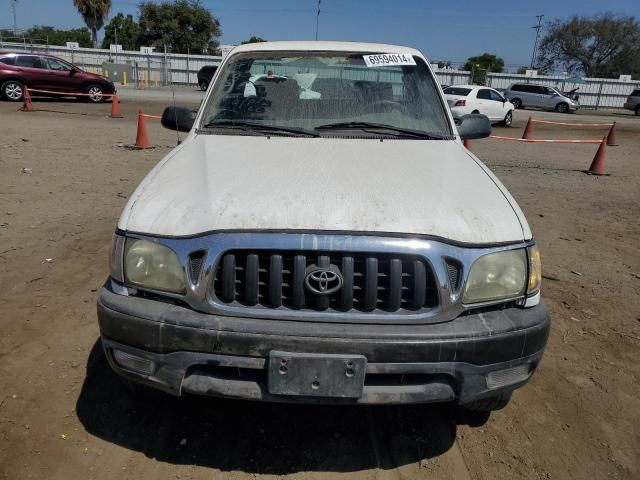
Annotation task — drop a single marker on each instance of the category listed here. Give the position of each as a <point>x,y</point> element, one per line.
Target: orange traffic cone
<point>527,130</point>
<point>611,136</point>
<point>467,144</point>
<point>597,166</point>
<point>142,139</point>
<point>27,106</point>
<point>115,107</point>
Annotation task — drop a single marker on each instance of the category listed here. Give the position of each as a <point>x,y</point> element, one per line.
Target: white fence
<point>162,69</point>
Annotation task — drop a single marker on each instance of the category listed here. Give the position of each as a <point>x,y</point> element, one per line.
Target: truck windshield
<point>341,94</point>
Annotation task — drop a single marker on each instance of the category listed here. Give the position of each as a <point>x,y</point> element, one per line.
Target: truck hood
<point>229,182</point>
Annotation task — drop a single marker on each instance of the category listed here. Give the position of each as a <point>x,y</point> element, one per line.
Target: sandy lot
<point>65,175</point>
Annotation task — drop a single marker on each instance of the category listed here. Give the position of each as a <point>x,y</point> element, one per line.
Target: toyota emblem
<point>323,281</point>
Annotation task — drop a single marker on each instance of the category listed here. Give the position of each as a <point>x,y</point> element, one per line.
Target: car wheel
<point>96,93</point>
<point>204,85</point>
<point>508,119</point>
<point>562,107</point>
<point>490,404</point>
<point>475,111</point>
<point>12,90</point>
<point>517,103</point>
<point>638,111</point>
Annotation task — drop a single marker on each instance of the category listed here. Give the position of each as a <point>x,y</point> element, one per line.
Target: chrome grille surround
<point>435,253</point>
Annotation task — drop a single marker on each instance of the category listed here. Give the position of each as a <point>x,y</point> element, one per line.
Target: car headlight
<point>497,276</point>
<point>535,270</point>
<point>152,265</point>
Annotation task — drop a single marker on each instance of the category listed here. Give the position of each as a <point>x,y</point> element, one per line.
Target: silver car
<point>524,95</point>
<point>633,101</point>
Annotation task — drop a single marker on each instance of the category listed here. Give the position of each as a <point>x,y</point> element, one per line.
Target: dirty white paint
<point>228,182</point>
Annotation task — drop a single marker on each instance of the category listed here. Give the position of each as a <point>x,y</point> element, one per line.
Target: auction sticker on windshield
<point>384,59</point>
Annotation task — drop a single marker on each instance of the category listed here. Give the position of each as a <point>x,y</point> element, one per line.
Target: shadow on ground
<point>261,438</point>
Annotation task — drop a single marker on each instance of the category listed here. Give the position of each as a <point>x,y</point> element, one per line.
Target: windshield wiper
<point>259,127</point>
<point>376,127</point>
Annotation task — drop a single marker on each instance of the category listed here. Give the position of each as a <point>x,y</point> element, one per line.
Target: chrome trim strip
<point>199,295</point>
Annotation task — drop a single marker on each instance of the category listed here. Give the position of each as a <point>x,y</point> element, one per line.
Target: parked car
<point>525,95</point>
<point>205,74</point>
<point>342,249</point>
<point>45,72</point>
<point>465,99</point>
<point>633,101</point>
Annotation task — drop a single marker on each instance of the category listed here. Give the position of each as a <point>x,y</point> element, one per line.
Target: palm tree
<point>93,13</point>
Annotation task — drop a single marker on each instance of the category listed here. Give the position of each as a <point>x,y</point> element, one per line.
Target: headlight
<point>535,270</point>
<point>115,261</point>
<point>496,276</point>
<point>152,265</point>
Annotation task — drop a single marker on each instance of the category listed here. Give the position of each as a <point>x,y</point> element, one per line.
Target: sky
<point>442,30</point>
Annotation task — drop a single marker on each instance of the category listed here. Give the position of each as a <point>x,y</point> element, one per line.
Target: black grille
<point>454,269</point>
<point>196,260</point>
<point>372,282</point>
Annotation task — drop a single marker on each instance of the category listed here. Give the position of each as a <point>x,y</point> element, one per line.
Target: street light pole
<point>318,18</point>
<point>535,44</point>
<point>15,24</point>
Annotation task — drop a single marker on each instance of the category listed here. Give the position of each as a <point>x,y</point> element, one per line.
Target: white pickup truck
<point>324,236</point>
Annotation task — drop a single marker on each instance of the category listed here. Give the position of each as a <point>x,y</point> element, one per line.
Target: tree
<point>93,13</point>
<point>254,39</point>
<point>486,61</point>
<point>522,70</point>
<point>601,46</point>
<point>52,36</point>
<point>183,25</point>
<point>123,31</point>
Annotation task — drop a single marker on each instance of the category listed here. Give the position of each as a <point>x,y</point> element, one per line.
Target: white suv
<point>340,247</point>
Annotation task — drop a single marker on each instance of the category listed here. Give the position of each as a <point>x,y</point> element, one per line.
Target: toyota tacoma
<point>322,235</point>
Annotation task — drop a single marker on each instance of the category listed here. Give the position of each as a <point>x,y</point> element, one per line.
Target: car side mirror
<point>178,118</point>
<point>474,125</point>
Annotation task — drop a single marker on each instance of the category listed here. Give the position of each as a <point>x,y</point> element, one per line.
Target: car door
<point>485,104</point>
<point>530,95</point>
<point>62,76</point>
<point>32,71</point>
<point>499,105</point>
<point>547,98</point>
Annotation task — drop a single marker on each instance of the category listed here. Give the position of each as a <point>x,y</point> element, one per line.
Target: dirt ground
<point>65,175</point>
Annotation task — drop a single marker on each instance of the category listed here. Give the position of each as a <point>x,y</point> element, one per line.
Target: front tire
<point>638,111</point>
<point>12,90</point>
<point>517,103</point>
<point>562,107</point>
<point>204,85</point>
<point>508,119</point>
<point>96,93</point>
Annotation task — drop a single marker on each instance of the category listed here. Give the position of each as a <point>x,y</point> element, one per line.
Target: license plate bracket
<point>316,375</point>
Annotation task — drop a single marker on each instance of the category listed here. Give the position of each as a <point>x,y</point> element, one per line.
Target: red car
<point>45,72</point>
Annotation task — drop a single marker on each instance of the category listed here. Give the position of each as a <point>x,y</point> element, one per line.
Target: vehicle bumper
<point>192,352</point>
<point>631,105</point>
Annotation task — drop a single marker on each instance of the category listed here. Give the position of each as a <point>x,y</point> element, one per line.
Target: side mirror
<point>178,118</point>
<point>474,125</point>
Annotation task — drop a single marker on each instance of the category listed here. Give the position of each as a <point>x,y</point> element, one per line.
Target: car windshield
<point>322,92</point>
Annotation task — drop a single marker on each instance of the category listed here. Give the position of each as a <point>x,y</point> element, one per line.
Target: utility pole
<point>318,18</point>
<point>535,44</point>
<point>15,24</point>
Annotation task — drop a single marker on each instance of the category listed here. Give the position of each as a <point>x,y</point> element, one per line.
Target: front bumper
<point>223,356</point>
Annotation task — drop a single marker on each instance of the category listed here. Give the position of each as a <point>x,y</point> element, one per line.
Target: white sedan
<point>465,99</point>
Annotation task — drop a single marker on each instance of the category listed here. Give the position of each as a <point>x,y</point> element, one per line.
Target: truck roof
<point>325,46</point>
